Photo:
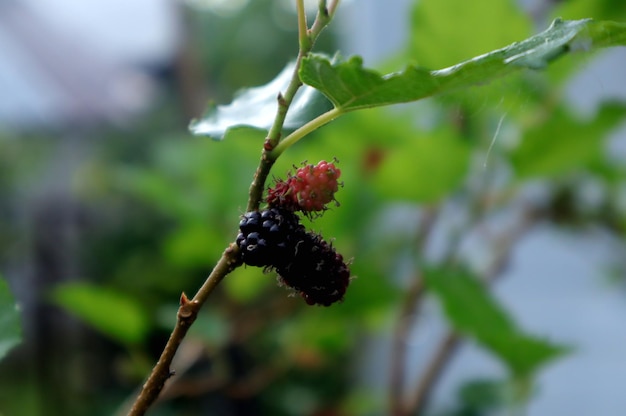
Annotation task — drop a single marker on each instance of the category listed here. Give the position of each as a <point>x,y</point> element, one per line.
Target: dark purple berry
<point>317,272</point>
<point>265,237</point>
<point>310,266</point>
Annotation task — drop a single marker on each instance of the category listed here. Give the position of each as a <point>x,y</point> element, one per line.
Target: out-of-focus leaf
<point>472,310</point>
<point>447,32</point>
<point>350,86</point>
<point>189,181</point>
<point>597,9</point>
<point>193,245</point>
<point>481,396</point>
<point>10,327</point>
<point>560,142</point>
<point>246,283</point>
<point>322,330</point>
<point>255,109</point>
<point>155,188</point>
<point>110,312</point>
<point>424,169</point>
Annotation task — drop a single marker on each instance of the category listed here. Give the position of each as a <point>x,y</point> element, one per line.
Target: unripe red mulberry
<point>309,190</point>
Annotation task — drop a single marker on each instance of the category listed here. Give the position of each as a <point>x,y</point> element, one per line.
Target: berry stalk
<point>303,131</point>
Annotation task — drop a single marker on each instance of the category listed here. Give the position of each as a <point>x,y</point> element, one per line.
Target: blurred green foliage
<point>10,327</point>
<point>102,309</point>
<point>473,311</point>
<point>162,206</point>
<point>561,142</point>
<point>438,43</point>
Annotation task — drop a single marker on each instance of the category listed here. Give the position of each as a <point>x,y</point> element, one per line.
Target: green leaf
<point>110,312</point>
<point>432,167</point>
<point>350,86</point>
<point>255,109</point>
<point>446,32</point>
<point>560,142</point>
<point>472,310</point>
<point>481,396</point>
<point>10,327</point>
<point>324,331</point>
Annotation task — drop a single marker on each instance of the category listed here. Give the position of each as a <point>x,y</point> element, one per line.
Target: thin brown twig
<point>406,321</point>
<point>189,353</point>
<point>423,391</point>
<point>187,314</point>
<point>258,379</point>
<point>399,404</point>
<point>418,401</point>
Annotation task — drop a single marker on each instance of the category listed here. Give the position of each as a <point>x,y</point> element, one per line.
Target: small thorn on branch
<point>184,300</point>
<point>187,307</point>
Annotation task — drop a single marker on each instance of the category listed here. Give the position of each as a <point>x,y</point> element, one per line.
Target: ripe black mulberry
<point>317,272</point>
<point>267,238</point>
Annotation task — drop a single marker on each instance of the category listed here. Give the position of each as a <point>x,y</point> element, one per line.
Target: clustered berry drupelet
<point>275,239</point>
<point>317,272</point>
<point>266,238</point>
<point>309,190</point>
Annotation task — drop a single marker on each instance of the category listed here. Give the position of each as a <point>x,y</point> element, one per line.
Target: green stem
<point>312,125</point>
<point>303,28</point>
<point>324,15</point>
<point>273,141</point>
<point>258,184</point>
<point>305,42</point>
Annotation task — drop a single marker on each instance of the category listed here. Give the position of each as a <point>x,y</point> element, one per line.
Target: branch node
<point>184,300</point>
<point>231,250</point>
<point>281,100</point>
<point>322,7</point>
<point>187,308</point>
